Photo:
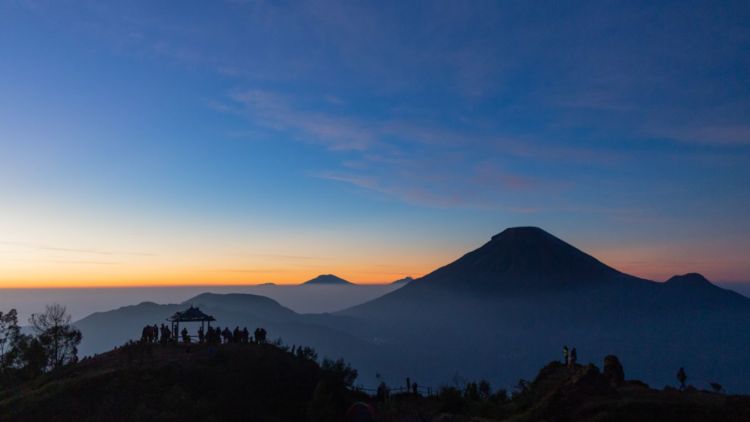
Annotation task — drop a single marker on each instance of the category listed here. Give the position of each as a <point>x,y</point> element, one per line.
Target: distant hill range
<point>506,308</point>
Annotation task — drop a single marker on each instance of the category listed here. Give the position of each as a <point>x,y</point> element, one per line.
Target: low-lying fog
<point>84,301</point>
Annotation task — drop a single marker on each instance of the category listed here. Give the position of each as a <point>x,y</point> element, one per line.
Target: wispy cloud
<point>274,111</point>
<point>421,192</point>
<point>418,163</point>
<point>731,135</point>
<point>85,251</point>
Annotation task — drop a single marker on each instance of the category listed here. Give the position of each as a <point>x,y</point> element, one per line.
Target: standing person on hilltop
<point>155,331</point>
<point>201,335</point>
<point>166,335</point>
<point>573,357</point>
<point>565,355</point>
<point>681,377</point>
<point>147,334</point>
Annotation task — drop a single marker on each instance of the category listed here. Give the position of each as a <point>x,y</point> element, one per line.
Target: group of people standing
<point>226,336</point>
<point>155,334</point>
<point>569,356</point>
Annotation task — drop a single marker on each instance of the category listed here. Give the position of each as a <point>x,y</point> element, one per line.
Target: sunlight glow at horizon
<point>251,142</point>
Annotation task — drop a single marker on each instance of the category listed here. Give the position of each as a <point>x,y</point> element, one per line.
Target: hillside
<point>586,393</point>
<point>264,382</point>
<point>103,331</point>
<point>175,382</point>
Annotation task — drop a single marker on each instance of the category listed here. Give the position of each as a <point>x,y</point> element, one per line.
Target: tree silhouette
<point>9,333</point>
<point>57,337</point>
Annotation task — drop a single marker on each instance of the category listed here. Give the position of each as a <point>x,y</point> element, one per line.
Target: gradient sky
<point>250,141</point>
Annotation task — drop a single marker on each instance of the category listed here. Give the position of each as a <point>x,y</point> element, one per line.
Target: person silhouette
<point>573,357</point>
<point>566,355</point>
<point>681,377</point>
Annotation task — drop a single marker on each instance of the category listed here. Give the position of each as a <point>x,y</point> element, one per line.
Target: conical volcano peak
<point>523,233</point>
<point>522,258</point>
<point>327,279</point>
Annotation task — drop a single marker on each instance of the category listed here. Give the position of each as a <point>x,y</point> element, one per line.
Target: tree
<point>307,353</point>
<point>485,389</point>
<point>338,372</point>
<point>56,336</point>
<point>9,333</point>
<point>471,391</point>
<point>30,358</point>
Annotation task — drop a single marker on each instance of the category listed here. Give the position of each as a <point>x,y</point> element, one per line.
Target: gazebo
<point>192,314</point>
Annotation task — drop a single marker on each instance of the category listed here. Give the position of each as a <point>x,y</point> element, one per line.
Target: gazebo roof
<point>189,315</point>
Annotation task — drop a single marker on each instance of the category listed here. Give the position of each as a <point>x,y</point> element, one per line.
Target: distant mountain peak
<point>689,279</point>
<point>327,279</point>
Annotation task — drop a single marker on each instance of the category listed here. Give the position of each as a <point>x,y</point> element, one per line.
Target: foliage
<point>52,345</point>
<point>9,334</point>
<point>307,353</point>
<point>56,335</point>
<point>338,372</point>
<point>451,399</point>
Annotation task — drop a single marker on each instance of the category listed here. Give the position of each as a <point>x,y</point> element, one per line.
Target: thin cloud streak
<point>41,247</point>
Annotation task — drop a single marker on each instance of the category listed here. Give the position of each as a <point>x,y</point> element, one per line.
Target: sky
<point>171,143</point>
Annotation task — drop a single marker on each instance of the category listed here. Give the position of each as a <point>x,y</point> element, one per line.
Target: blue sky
<point>377,139</point>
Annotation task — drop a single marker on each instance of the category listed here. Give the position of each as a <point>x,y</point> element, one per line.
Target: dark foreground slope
<point>584,393</point>
<point>142,382</point>
<point>252,382</point>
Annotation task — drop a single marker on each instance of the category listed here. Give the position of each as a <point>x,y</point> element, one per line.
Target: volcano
<point>514,301</point>
<point>523,259</point>
<point>328,280</point>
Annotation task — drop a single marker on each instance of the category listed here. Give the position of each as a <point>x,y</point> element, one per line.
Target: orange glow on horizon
<point>171,277</point>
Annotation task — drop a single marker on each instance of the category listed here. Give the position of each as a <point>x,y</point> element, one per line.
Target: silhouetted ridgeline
<point>270,382</point>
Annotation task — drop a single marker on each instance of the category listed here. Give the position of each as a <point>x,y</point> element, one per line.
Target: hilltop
<point>327,279</point>
<point>255,382</point>
<point>584,393</point>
